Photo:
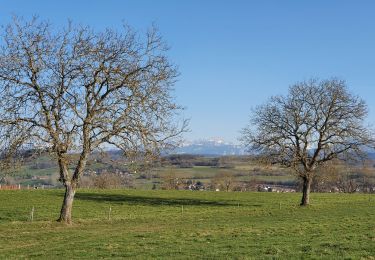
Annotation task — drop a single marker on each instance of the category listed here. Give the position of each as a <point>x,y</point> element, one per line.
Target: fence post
<point>109,213</point>
<point>32,214</point>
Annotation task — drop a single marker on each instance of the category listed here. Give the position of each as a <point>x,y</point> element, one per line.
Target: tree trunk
<point>306,191</point>
<point>66,209</point>
<point>70,186</point>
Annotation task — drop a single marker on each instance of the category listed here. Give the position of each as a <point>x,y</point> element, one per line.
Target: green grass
<point>185,224</point>
<point>194,172</point>
<point>206,173</point>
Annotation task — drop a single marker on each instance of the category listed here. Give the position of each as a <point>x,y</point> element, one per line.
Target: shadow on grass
<point>138,200</point>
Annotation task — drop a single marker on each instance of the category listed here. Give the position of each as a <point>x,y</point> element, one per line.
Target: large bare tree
<point>317,121</point>
<point>74,90</point>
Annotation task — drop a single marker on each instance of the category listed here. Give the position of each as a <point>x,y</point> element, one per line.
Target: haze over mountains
<point>211,146</point>
<point>217,146</point>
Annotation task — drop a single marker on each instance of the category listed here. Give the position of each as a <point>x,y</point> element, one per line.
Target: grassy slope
<point>213,225</point>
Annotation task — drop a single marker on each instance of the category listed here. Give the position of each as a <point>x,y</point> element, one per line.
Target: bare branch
<point>78,90</point>
<point>316,122</point>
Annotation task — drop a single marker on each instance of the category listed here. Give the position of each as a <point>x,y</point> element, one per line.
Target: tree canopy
<point>76,90</point>
<point>316,122</point>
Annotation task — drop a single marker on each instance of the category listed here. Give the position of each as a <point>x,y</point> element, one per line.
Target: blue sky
<point>233,55</point>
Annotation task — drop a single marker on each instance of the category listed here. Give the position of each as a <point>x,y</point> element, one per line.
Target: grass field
<point>186,224</point>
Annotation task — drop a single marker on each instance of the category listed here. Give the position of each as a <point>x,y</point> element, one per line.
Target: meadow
<point>160,224</point>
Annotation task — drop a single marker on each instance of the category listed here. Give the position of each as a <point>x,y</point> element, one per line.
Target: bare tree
<point>108,180</point>
<point>75,90</point>
<point>327,176</point>
<point>223,180</point>
<point>317,121</point>
<point>170,181</point>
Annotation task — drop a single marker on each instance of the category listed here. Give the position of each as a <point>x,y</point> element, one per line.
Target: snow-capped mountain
<point>211,146</point>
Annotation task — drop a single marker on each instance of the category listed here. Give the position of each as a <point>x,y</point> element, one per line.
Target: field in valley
<point>187,224</point>
<point>43,171</point>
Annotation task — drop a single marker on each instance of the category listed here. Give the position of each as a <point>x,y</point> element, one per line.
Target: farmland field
<point>44,171</point>
<point>187,224</point>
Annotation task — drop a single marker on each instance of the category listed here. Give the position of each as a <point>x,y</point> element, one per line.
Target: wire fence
<point>24,187</point>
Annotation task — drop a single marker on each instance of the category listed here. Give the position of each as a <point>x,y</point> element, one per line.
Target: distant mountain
<point>371,155</point>
<point>214,146</point>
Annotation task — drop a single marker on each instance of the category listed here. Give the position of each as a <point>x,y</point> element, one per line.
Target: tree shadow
<point>153,201</point>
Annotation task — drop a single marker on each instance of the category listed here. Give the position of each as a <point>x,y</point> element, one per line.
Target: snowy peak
<point>211,146</point>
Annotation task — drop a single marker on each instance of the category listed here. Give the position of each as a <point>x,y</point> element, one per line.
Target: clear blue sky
<point>233,54</point>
